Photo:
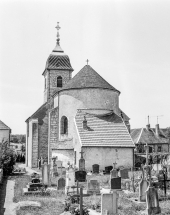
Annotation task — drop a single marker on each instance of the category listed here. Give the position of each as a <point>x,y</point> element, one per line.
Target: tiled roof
<point>60,62</point>
<point>102,130</point>
<point>144,136</point>
<point>3,126</point>
<point>87,77</point>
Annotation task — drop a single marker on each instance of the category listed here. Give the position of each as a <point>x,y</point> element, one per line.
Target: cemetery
<point>115,190</point>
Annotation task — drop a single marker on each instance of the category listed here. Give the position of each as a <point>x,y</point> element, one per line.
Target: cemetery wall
<point>106,156</point>
<point>64,155</point>
<point>71,100</point>
<point>53,130</point>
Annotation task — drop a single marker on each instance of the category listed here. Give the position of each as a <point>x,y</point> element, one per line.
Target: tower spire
<point>58,35</point>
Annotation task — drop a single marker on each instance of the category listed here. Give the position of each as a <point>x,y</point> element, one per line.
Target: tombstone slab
<point>95,168</point>
<point>124,173</point>
<point>152,201</point>
<point>80,176</point>
<point>113,173</point>
<point>109,203</point>
<point>93,186</point>
<point>61,184</point>
<point>46,174</point>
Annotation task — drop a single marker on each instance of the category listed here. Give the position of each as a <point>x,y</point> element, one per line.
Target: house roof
<point>58,60</point>
<point>40,113</point>
<point>87,77</point>
<point>102,130</point>
<point>142,135</point>
<point>3,126</point>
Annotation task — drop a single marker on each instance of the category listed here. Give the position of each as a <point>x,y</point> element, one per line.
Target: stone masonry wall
<point>52,80</point>
<point>35,145</point>
<point>43,137</point>
<point>53,130</point>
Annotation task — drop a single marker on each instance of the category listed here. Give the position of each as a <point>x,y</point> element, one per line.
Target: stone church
<point>79,114</point>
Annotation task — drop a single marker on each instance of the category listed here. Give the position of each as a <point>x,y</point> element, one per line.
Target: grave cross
<point>114,165</point>
<point>81,154</point>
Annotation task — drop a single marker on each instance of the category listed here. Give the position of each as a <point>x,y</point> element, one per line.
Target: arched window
<point>64,125</point>
<point>59,81</point>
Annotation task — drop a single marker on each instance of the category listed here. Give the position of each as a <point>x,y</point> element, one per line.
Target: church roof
<point>87,77</point>
<point>102,130</point>
<point>3,126</point>
<point>58,60</point>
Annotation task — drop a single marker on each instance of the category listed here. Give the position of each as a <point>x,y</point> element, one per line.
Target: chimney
<point>84,123</point>
<point>148,127</point>
<point>157,129</point>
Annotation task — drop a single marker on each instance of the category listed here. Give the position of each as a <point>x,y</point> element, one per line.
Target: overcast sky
<point>127,43</point>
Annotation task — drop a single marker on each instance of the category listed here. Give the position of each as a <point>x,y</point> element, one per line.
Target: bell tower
<point>58,70</point>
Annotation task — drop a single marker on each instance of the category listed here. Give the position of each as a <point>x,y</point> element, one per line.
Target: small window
<point>159,148</point>
<point>64,125</point>
<point>59,81</point>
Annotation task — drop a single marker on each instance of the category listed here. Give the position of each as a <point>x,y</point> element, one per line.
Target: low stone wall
<point>1,175</point>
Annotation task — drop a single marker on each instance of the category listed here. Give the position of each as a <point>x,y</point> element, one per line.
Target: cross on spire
<point>58,35</point>
<point>87,61</point>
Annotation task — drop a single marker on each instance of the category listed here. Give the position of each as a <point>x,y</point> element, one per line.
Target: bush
<point>7,160</point>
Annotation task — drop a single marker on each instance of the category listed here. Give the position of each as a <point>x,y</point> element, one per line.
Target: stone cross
<point>81,154</point>
<point>114,165</point>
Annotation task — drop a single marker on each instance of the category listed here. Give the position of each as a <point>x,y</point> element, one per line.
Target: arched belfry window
<point>64,125</point>
<point>59,81</point>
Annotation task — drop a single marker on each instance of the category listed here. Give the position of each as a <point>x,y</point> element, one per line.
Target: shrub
<point>7,160</point>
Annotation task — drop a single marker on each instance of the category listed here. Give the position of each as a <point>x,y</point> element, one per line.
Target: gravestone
<point>34,186</point>
<point>61,183</point>
<point>93,186</point>
<point>143,185</point>
<point>116,183</point>
<point>82,163</point>
<point>109,203</point>
<point>113,173</point>
<point>35,180</point>
<point>70,177</point>
<point>95,168</point>
<point>46,174</point>
<point>108,169</point>
<point>80,176</point>
<point>124,173</point>
<point>152,201</point>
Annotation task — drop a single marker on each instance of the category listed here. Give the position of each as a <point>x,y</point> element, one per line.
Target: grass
<point>50,205</point>
<point>54,204</point>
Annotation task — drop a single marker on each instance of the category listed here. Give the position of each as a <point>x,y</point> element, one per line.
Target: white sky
<point>126,42</point>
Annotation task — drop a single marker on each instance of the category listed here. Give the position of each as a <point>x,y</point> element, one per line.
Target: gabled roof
<point>40,113</point>
<point>102,130</point>
<point>3,126</point>
<point>142,135</point>
<point>87,77</point>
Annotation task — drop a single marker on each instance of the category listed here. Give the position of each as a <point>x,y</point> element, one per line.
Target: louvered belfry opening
<point>64,125</point>
<point>59,81</point>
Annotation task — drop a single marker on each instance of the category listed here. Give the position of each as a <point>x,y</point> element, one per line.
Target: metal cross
<point>58,35</point>
<point>87,61</point>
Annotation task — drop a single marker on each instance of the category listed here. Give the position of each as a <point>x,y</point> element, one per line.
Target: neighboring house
<point>154,137</point>
<point>5,132</point>
<point>79,114</point>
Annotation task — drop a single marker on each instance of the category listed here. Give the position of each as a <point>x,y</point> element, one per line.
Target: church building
<point>79,114</point>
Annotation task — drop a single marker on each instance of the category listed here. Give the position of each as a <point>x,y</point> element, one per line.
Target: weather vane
<point>58,35</point>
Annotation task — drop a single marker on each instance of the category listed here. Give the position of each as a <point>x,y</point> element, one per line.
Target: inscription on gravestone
<point>116,183</point>
<point>80,176</point>
<point>95,168</point>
